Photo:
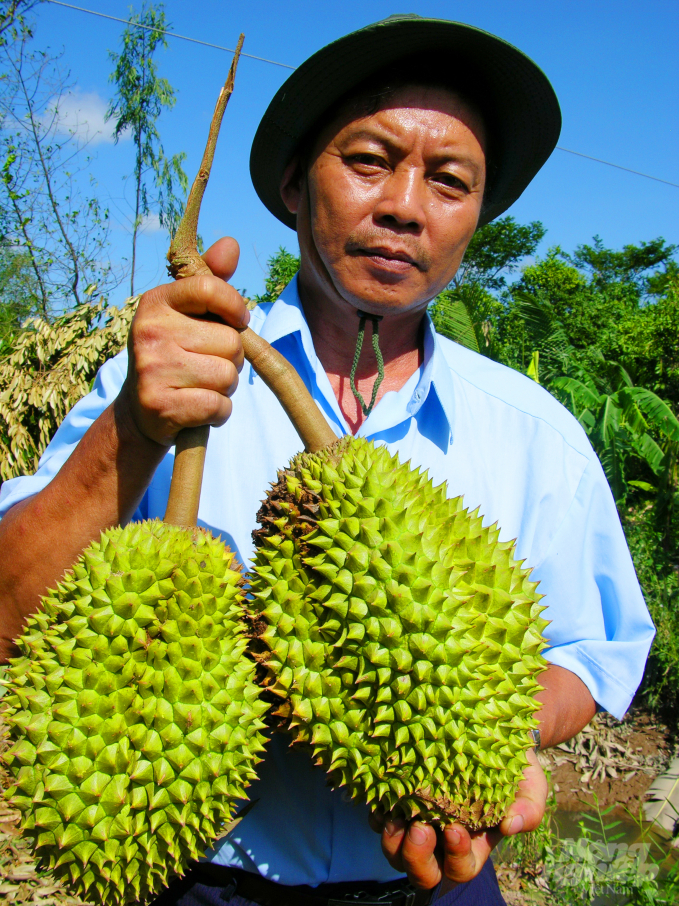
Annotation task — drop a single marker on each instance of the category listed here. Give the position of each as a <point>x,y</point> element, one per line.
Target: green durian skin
<point>404,639</point>
<point>133,711</point>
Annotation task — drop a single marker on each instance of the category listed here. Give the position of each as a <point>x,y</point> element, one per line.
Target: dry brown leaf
<point>52,367</point>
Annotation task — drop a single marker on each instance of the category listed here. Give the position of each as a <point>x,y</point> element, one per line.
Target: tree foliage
<point>467,311</point>
<point>141,96</point>
<point>51,367</point>
<point>17,293</point>
<point>281,268</point>
<point>53,237</point>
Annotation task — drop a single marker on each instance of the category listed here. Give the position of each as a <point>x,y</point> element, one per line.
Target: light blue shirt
<point>494,436</point>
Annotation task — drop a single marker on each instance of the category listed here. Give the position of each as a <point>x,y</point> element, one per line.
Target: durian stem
<point>276,372</point>
<point>183,257</point>
<point>187,476</point>
<point>289,388</point>
<point>184,261</point>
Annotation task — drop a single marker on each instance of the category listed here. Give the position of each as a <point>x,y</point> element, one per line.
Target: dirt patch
<point>611,761</point>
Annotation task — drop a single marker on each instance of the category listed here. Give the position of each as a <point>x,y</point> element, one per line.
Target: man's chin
<point>387,303</point>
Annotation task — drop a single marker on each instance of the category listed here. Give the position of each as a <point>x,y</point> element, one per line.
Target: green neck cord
<point>357,355</point>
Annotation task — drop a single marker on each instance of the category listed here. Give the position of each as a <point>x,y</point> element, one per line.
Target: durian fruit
<point>134,712</point>
<point>403,637</point>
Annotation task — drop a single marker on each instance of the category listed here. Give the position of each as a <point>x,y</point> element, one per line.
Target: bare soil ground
<point>614,761</point>
<point>611,763</point>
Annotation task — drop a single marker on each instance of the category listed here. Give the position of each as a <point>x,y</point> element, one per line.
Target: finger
<point>528,809</point>
<point>206,372</point>
<point>222,257</point>
<point>376,820</point>
<point>200,296</point>
<point>208,338</point>
<point>465,854</point>
<point>392,840</point>
<point>419,856</point>
<point>196,406</point>
<point>162,396</point>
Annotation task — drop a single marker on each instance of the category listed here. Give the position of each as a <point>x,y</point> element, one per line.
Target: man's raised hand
<point>185,352</point>
<point>455,855</point>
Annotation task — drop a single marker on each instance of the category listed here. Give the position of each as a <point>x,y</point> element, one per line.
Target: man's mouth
<point>398,259</point>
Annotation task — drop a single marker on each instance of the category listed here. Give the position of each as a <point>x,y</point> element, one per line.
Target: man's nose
<point>401,203</point>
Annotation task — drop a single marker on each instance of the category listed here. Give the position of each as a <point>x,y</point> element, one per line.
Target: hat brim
<point>526,114</point>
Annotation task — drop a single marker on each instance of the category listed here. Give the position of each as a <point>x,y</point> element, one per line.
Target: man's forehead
<point>417,95</point>
<point>359,114</point>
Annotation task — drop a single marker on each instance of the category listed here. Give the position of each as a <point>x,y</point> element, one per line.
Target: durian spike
<point>276,372</point>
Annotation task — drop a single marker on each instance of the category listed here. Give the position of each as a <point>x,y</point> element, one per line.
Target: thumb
<point>222,257</point>
<point>528,809</point>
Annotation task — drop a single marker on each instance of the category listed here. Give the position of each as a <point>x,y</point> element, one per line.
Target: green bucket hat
<point>524,110</point>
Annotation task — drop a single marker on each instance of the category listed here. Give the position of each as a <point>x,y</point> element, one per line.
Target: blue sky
<point>613,63</point>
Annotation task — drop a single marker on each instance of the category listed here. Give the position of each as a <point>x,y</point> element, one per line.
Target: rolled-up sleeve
<point>600,627</point>
<point>105,389</point>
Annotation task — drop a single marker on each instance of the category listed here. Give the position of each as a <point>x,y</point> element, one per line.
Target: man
<point>385,151</point>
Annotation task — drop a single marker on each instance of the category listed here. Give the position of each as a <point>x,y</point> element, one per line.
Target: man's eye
<point>451,181</point>
<point>367,160</point>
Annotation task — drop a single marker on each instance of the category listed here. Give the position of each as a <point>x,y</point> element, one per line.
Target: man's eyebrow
<point>385,137</point>
<point>375,133</point>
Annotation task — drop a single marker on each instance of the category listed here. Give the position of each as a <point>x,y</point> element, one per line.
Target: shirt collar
<point>433,378</point>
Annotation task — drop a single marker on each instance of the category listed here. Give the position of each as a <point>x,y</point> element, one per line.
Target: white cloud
<point>83,113</point>
<point>150,223</point>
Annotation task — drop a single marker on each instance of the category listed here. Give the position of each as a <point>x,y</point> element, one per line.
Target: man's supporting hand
<point>453,854</point>
<point>185,351</point>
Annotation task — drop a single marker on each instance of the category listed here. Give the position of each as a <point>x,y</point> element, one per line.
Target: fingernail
<point>516,824</point>
<point>418,833</point>
<point>394,825</point>
<point>453,835</point>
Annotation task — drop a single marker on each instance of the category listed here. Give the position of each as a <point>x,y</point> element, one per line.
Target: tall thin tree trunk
<point>47,174</point>
<point>135,228</point>
<point>138,143</point>
<point>44,297</point>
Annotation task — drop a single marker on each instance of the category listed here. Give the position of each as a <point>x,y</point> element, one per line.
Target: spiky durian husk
<point>134,712</point>
<point>404,637</point>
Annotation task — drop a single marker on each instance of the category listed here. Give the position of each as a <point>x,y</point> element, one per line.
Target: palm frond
<point>583,395</point>
<point>657,411</point>
<point>452,319</point>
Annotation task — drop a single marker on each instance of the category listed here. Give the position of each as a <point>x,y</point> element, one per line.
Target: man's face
<point>390,200</point>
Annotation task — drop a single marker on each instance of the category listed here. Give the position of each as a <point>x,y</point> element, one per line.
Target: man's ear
<point>291,184</point>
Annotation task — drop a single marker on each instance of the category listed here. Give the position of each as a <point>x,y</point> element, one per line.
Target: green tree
<point>468,310</point>
<point>614,306</point>
<point>18,294</point>
<point>282,267</point>
<point>141,96</point>
<point>53,235</point>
